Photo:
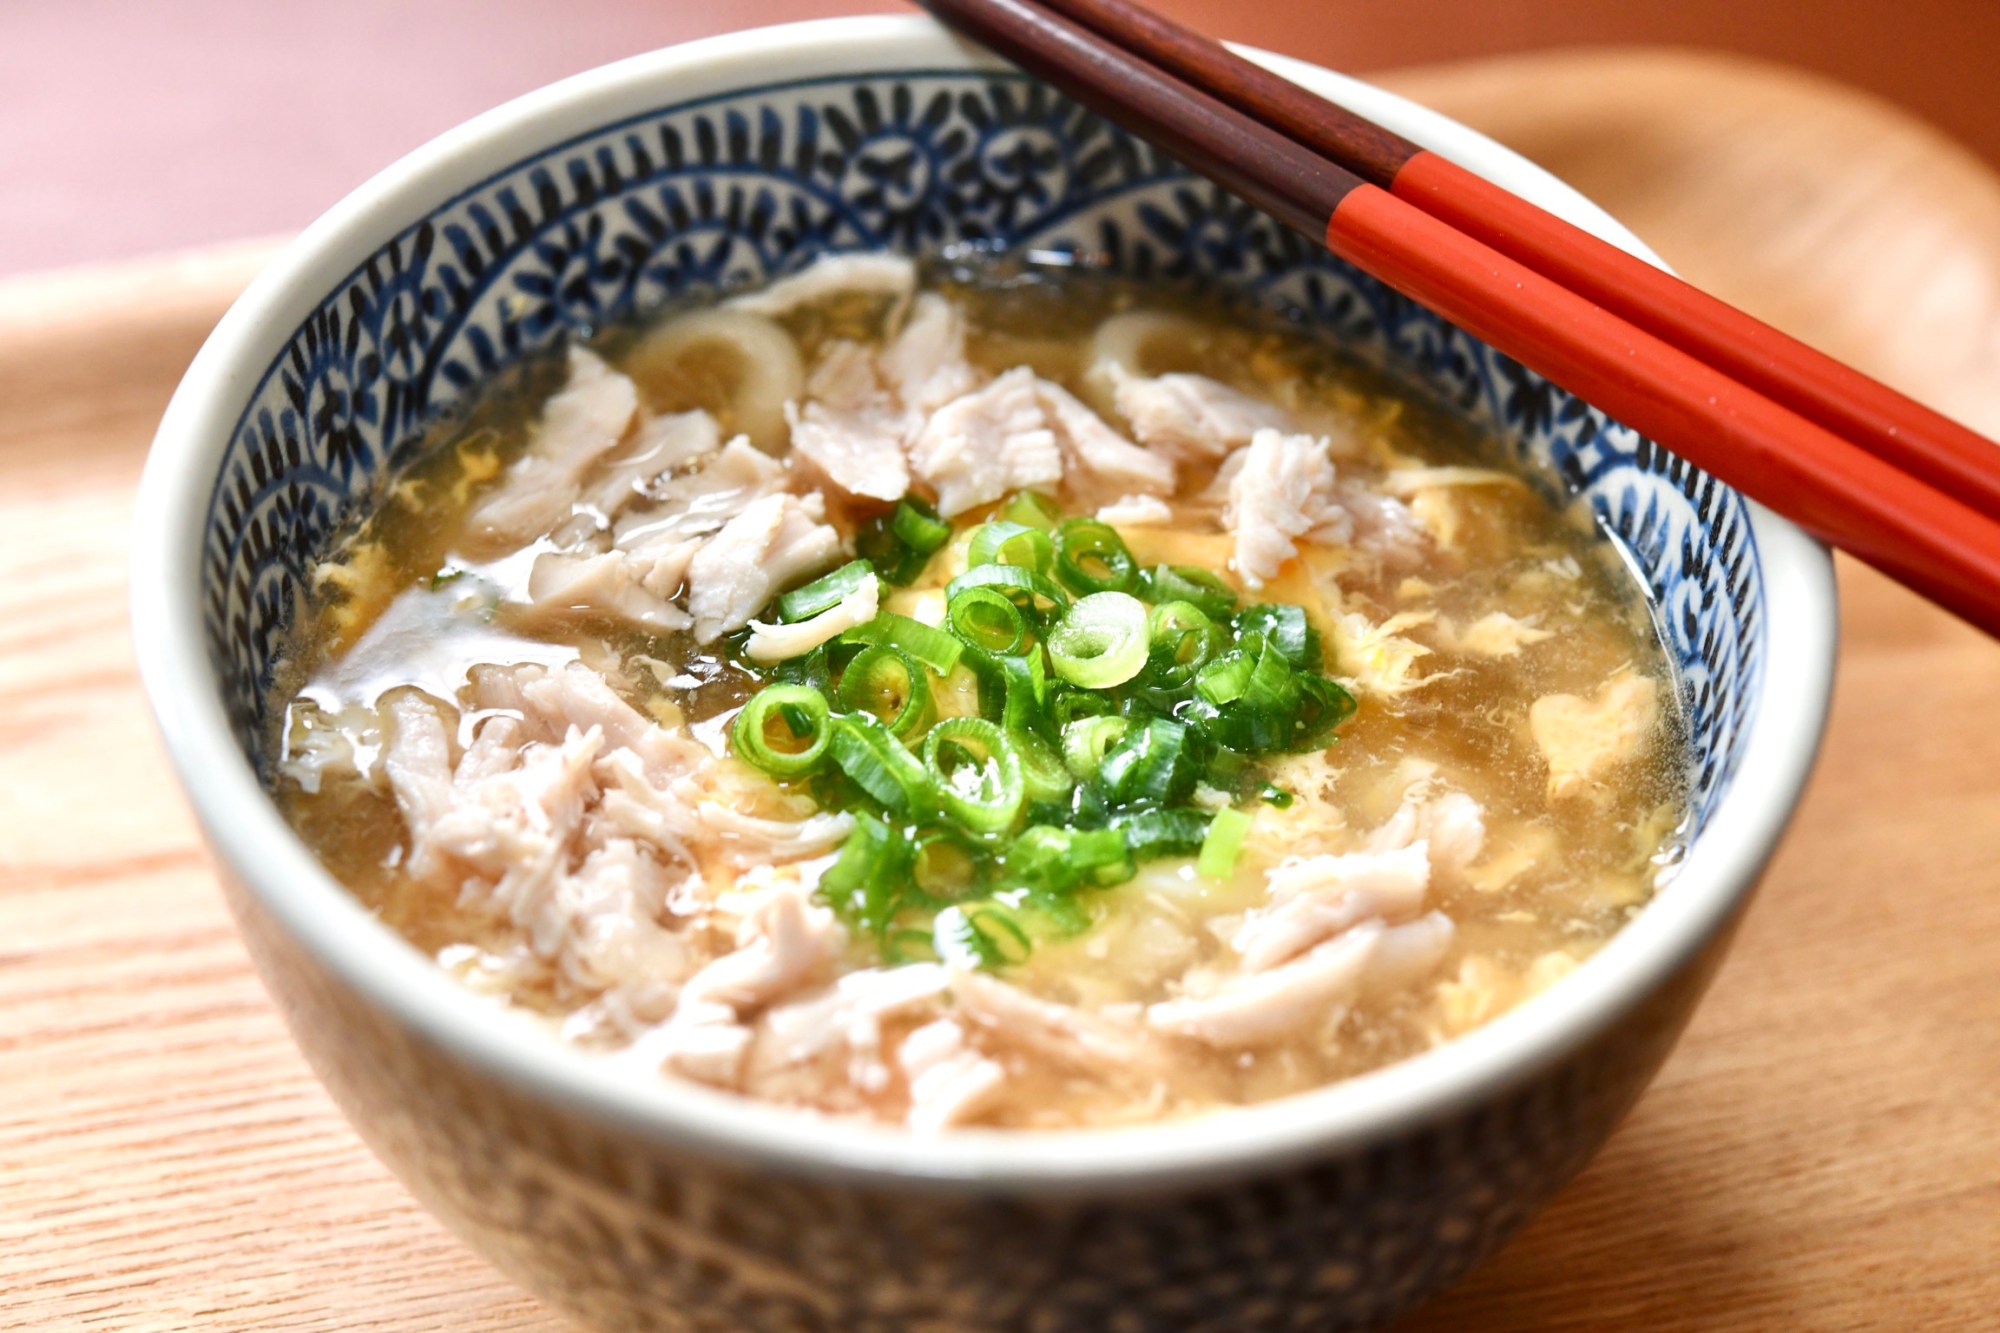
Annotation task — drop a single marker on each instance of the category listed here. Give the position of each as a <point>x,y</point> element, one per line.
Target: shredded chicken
<point>1314,898</point>
<point>660,447</point>
<point>775,643</point>
<point>614,582</point>
<point>1136,511</point>
<point>1281,490</point>
<point>1086,1042</point>
<point>1187,417</point>
<point>982,445</point>
<point>774,540</point>
<point>925,364</point>
<point>1092,449</point>
<point>1450,823</point>
<point>578,426</point>
<point>1256,1008</point>
<point>950,1081</point>
<point>850,428</point>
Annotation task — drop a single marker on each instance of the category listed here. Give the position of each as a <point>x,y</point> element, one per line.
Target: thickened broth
<point>1023,697</point>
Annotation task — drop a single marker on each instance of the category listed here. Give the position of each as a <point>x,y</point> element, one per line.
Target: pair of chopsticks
<point>1850,460</point>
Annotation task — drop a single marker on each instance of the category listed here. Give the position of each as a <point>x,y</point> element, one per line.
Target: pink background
<point>133,126</point>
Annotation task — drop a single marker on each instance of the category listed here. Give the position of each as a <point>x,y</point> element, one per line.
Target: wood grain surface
<point>1821,1153</point>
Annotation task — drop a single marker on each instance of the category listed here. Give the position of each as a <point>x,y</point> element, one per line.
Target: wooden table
<point>1823,1151</point>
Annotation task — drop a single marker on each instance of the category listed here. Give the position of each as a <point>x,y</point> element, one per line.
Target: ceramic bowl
<point>637,1204</point>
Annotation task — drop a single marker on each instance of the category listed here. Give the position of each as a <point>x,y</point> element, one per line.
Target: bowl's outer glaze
<point>672,1207</point>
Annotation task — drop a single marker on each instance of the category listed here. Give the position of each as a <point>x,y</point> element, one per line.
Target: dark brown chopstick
<point>1914,533</point>
<point>1896,429</point>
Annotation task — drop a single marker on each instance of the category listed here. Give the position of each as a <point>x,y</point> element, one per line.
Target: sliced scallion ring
<point>987,618</point>
<point>1186,583</point>
<point>1044,775</point>
<point>1183,641</point>
<point>1002,542</point>
<point>1032,509</point>
<point>975,773</point>
<point>1149,765</point>
<point>945,866</point>
<point>1084,743</point>
<point>1091,557</point>
<point>979,935</point>
<point>919,526</point>
<point>784,730</point>
<point>890,684</point>
<point>1027,589</point>
<point>927,643</point>
<point>868,752</point>
<point>1286,628</point>
<point>1101,641</point>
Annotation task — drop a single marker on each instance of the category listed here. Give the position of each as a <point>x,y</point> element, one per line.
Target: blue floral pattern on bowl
<point>734,189</point>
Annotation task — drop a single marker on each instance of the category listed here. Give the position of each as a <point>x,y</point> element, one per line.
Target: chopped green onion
<point>877,543</point>
<point>1224,680</point>
<point>1226,769</point>
<point>1032,509</point>
<point>1101,641</point>
<point>1092,558</point>
<point>1044,775</point>
<point>1271,687</point>
<point>987,618</point>
<point>1185,583</point>
<point>869,753</point>
<point>864,882</point>
<point>822,594</point>
<point>1060,860</point>
<point>1159,832</point>
<point>1322,705</point>
<point>1285,626</point>
<point>919,526</point>
<point>1004,543</point>
<point>979,936</point>
<point>928,644</point>
<point>1068,704</point>
<point>1027,690</point>
<point>806,724</point>
<point>1024,587</point>
<point>945,866</point>
<point>1086,740</point>
<point>975,773</point>
<point>1183,640</point>
<point>887,682</point>
<point>1223,843</point>
<point>1150,764</point>
<point>1276,796</point>
<point>806,669</point>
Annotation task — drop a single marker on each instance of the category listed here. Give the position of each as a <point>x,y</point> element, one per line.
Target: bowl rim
<point>255,846</point>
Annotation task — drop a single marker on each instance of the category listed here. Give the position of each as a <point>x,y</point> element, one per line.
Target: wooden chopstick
<point>1916,534</point>
<point>1896,429</point>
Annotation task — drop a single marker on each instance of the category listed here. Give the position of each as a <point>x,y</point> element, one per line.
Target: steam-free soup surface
<point>1341,742</point>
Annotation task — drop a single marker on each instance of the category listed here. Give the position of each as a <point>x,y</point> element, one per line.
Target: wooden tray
<point>1820,1153</point>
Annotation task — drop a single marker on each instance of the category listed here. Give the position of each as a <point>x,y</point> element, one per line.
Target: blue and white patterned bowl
<point>637,1204</point>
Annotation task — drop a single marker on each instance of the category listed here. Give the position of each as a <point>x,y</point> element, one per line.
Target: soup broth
<point>1003,695</point>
